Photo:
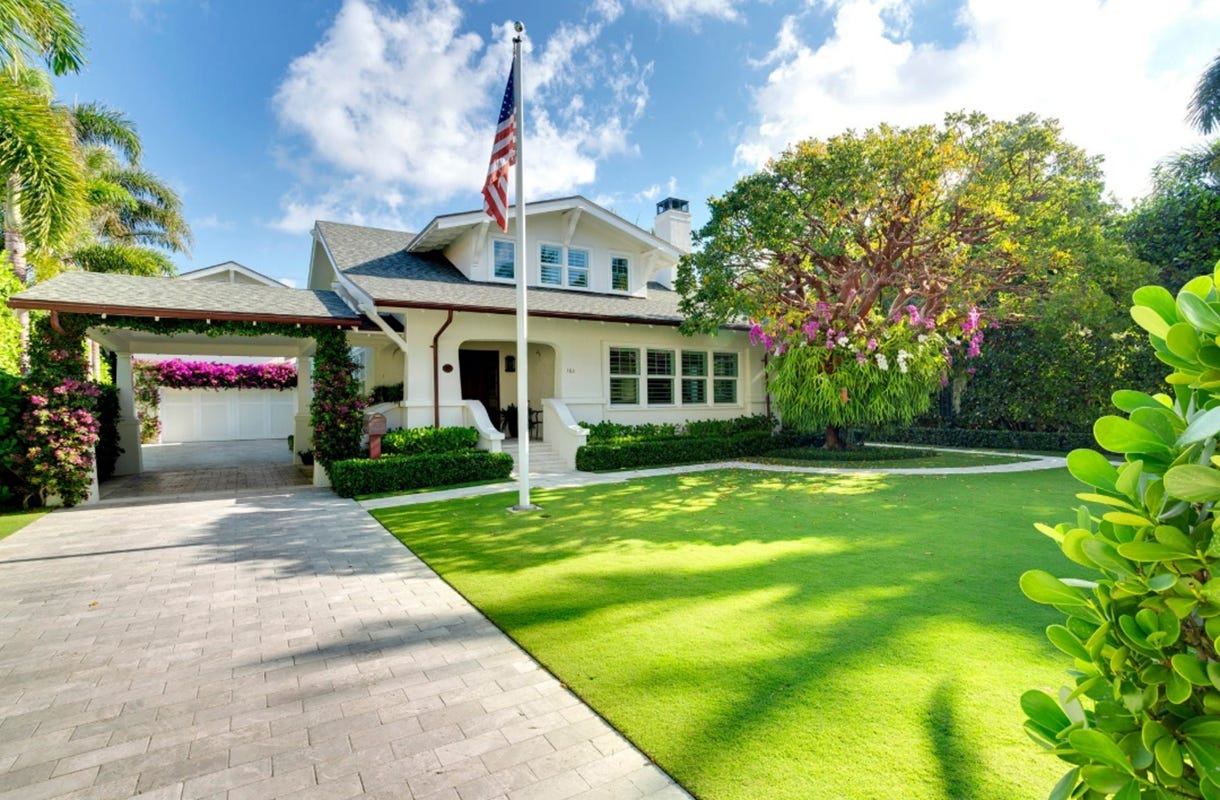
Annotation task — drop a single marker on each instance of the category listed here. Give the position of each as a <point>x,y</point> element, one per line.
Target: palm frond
<point>1204,109</point>
<point>43,28</point>
<point>124,258</point>
<point>97,124</point>
<point>38,153</point>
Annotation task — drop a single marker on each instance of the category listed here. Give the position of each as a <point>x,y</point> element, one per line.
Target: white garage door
<point>209,415</point>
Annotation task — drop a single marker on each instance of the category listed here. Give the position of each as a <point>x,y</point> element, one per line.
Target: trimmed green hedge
<point>417,441</point>
<point>617,433</point>
<point>861,454</point>
<point>676,450</point>
<point>358,476</point>
<point>1057,441</point>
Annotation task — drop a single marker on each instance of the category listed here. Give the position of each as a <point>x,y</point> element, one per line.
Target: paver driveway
<point>279,646</point>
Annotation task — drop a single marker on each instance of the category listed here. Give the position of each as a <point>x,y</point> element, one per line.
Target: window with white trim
<point>620,274</point>
<point>550,264</point>
<point>694,377</point>
<point>624,376</point>
<point>660,377</point>
<point>578,268</point>
<point>503,259</point>
<point>724,378</point>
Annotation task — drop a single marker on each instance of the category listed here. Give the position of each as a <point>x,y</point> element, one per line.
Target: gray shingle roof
<point>376,261</point>
<point>131,295</point>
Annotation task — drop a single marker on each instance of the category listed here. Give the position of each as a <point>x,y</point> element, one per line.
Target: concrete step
<point>543,458</point>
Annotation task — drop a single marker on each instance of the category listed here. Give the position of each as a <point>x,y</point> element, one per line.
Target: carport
<point>200,319</point>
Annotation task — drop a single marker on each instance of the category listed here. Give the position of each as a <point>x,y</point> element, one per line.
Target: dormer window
<point>502,258</point>
<point>620,274</point>
<point>559,266</point>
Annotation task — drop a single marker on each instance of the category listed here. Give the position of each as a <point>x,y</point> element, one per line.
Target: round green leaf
<point>1121,435</point>
<point>1158,299</point>
<point>1128,400</point>
<point>1169,756</point>
<point>1204,426</point>
<point>1044,710</point>
<point>1197,311</point>
<point>1097,746</point>
<point>1043,587</point>
<point>1091,468</point>
<point>1194,483</point>
<point>1183,341</point>
<point>1190,668</point>
<point>1066,641</point>
<point>1151,552</point>
<point>1150,321</point>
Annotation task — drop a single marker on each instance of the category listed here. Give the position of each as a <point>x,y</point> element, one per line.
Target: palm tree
<point>1204,109</point>
<point>43,193</point>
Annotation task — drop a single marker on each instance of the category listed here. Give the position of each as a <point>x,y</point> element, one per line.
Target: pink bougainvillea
<point>178,374</point>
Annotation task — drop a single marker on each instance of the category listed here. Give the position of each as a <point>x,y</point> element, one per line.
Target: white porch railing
<point>561,430</point>
<point>475,415</point>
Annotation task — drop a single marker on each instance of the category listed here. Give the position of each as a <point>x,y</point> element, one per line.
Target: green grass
<point>13,521</point>
<point>400,492</point>
<point>782,636</point>
<point>938,459</point>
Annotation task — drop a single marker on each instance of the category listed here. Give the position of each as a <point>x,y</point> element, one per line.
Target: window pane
<point>550,257</point>
<point>624,361</point>
<point>724,365</point>
<point>724,391</point>
<point>694,364</point>
<point>694,390</point>
<point>624,391</point>
<point>660,391</point>
<point>660,362</point>
<point>619,274</point>
<point>578,268</point>
<point>503,259</point>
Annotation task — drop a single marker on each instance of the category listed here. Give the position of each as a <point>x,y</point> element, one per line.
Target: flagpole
<point>523,396</point>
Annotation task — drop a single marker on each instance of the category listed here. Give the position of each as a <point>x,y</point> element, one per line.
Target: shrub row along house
<point>434,312</point>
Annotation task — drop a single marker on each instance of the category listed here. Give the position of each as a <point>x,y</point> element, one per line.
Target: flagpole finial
<point>519,26</point>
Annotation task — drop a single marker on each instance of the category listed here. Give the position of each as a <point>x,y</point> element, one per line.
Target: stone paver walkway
<point>279,646</point>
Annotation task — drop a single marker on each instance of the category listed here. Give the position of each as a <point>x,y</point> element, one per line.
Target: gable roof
<point>230,266</point>
<point>137,296</point>
<point>447,228</point>
<point>377,261</point>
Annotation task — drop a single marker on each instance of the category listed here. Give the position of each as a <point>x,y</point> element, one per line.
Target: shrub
<point>108,450</point>
<point>414,441</point>
<point>13,404</point>
<point>335,409</point>
<point>1054,441</point>
<point>675,450</point>
<point>1143,720</point>
<point>178,374</point>
<point>358,476</point>
<point>386,393</point>
<point>862,454</point>
<point>614,432</point>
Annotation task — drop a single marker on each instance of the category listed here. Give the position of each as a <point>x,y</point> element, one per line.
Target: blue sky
<point>267,115</point>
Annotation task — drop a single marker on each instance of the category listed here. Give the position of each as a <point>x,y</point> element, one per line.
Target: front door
<point>480,371</point>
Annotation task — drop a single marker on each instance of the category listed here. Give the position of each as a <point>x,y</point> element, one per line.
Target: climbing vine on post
<point>335,411</point>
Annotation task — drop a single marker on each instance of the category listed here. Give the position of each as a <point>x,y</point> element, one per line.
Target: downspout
<point>436,372</point>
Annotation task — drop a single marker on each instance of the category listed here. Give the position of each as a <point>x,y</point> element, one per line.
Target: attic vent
<point>672,204</point>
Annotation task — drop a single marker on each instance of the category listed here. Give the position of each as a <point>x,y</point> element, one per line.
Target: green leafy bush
<point>1143,719</point>
<point>675,450</point>
<point>108,450</point>
<point>359,476</point>
<point>335,409</point>
<point>861,454</point>
<point>414,441</point>
<point>1054,441</point>
<point>616,433</point>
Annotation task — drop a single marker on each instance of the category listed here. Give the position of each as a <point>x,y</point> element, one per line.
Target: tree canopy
<point>865,263</point>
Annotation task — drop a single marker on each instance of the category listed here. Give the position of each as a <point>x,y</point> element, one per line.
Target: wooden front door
<point>480,371</point>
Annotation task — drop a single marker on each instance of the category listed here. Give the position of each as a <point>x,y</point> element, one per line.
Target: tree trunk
<point>14,237</point>
<point>833,442</point>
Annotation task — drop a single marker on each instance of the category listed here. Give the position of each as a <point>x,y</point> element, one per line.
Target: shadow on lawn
<point>841,590</point>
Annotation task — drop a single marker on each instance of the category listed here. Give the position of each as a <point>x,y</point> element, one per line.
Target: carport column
<point>130,460</point>
<point>302,431</point>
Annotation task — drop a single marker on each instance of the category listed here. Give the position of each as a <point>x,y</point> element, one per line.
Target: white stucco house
<point>434,311</point>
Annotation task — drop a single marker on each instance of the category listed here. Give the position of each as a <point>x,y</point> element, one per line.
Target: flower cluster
<point>335,410</point>
<point>54,453</point>
<point>179,374</point>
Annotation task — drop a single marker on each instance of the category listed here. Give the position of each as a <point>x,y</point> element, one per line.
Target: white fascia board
<point>355,296</point>
<point>230,266</point>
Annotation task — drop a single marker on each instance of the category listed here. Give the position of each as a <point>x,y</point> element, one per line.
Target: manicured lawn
<point>782,636</point>
<point>13,521</point>
<point>940,459</point>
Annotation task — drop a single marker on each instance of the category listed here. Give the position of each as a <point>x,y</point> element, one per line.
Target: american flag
<point>503,156</point>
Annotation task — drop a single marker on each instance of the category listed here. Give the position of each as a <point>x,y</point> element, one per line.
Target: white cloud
<point>396,109</point>
<point>212,222</point>
<point>689,12</point>
<point>1117,75</point>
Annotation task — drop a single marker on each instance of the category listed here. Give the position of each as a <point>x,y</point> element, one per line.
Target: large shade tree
<point>862,261</point>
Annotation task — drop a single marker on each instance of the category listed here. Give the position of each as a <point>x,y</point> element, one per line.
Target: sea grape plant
<point>1142,719</point>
